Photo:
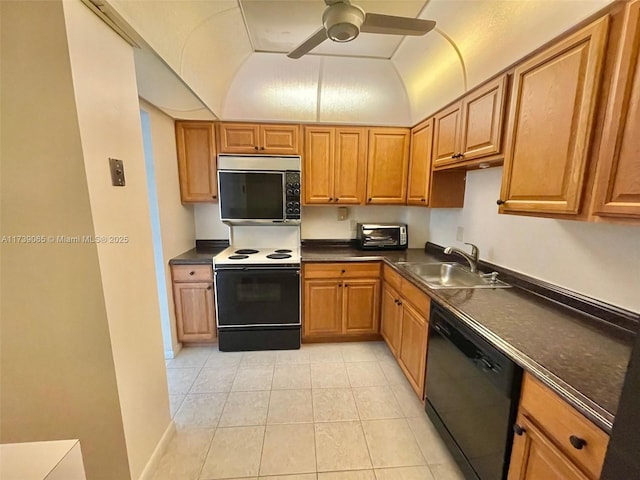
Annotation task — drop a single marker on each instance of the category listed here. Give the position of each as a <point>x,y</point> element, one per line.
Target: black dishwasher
<point>472,393</point>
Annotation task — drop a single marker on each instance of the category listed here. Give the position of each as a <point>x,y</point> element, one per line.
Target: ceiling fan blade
<point>391,25</point>
<point>309,44</point>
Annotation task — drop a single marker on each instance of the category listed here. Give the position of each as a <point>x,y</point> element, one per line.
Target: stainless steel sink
<point>451,275</point>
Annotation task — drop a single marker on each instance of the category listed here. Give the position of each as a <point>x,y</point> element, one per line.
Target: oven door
<point>251,195</point>
<point>257,297</point>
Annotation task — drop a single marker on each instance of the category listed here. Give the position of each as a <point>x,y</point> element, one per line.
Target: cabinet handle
<point>518,430</point>
<point>342,271</point>
<point>346,285</point>
<point>500,202</point>
<point>331,199</point>
<point>453,156</point>
<point>261,148</point>
<point>256,147</point>
<point>209,287</point>
<point>577,442</point>
<point>336,199</point>
<point>422,200</point>
<point>369,199</point>
<point>214,196</point>
<point>339,285</point>
<point>192,272</point>
<point>395,300</point>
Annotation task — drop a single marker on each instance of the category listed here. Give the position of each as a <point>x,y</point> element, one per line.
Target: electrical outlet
<point>460,234</point>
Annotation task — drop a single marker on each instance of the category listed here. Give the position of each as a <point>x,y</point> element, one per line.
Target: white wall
<point>177,224</point>
<point>106,96</point>
<point>208,223</point>
<point>57,374</point>
<point>599,260</point>
<point>322,222</point>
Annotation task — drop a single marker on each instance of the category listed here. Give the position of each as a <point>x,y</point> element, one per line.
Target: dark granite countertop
<point>197,256</point>
<point>577,356</point>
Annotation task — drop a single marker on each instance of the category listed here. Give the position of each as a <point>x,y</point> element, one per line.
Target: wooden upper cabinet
<point>550,124</point>
<point>280,139</point>
<point>250,138</point>
<point>471,128</point>
<point>335,162</point>
<point>350,166</point>
<point>446,136</point>
<point>196,145</point>
<point>482,120</point>
<point>317,183</point>
<point>617,187</point>
<point>388,162</point>
<point>420,163</point>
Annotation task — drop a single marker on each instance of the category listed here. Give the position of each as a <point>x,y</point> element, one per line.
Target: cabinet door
<point>195,316</point>
<point>318,165</point>
<point>239,138</point>
<point>534,457</point>
<point>482,121</point>
<point>446,135</point>
<point>391,318</point>
<point>388,161</point>
<point>413,347</point>
<point>361,306</point>
<point>279,139</point>
<point>349,173</point>
<point>420,164</point>
<point>322,307</point>
<point>550,124</point>
<point>617,189</point>
<point>196,146</point>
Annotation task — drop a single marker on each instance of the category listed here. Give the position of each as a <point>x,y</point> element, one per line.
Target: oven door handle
<point>260,270</point>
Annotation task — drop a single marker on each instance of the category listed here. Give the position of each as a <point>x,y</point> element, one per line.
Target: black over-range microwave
<point>260,189</point>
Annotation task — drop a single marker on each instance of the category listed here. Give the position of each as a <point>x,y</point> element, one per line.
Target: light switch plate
<point>117,172</point>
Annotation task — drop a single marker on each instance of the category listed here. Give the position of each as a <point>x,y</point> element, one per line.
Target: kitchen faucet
<point>471,258</point>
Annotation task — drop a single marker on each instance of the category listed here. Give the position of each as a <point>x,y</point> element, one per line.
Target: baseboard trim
<point>161,447</point>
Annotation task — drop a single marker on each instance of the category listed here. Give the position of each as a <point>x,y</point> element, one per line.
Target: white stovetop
<point>227,256</point>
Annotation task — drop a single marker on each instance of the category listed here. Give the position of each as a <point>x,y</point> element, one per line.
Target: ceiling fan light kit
<point>343,22</point>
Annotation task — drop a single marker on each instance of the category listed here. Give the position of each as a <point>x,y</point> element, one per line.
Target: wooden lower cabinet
<point>552,440</point>
<point>391,319</point>
<point>535,457</point>
<point>413,347</point>
<point>322,307</point>
<point>404,327</point>
<point>194,303</point>
<point>341,300</point>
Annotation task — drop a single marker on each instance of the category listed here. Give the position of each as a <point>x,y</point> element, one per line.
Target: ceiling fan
<point>342,22</point>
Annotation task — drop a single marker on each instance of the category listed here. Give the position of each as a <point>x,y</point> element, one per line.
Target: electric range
<point>258,293</point>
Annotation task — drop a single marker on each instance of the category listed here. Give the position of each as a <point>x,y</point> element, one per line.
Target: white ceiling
<point>218,48</point>
<point>281,25</point>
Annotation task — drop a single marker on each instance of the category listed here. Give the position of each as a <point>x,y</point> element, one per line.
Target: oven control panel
<point>292,191</point>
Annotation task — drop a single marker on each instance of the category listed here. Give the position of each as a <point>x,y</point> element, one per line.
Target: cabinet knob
<point>261,148</point>
<point>399,303</point>
<point>346,285</point>
<point>209,287</point>
<point>395,300</point>
<point>192,272</point>
<point>369,199</point>
<point>518,430</point>
<point>577,442</point>
<point>331,199</point>
<point>453,156</point>
<point>256,147</point>
<point>336,200</point>
<point>214,196</point>
<point>342,271</point>
<point>500,202</point>
<point>422,200</point>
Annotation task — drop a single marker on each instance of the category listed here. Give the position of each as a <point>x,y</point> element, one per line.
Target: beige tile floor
<point>324,412</point>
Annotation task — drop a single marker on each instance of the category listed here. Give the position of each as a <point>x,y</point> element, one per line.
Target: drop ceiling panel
<point>281,25</point>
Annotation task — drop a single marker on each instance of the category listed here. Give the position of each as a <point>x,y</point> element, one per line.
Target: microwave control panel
<point>292,191</point>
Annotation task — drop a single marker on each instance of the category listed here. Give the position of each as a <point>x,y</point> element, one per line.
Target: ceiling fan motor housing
<point>343,21</point>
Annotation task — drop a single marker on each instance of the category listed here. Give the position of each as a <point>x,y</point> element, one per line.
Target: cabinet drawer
<point>192,273</point>
<point>560,421</point>
<point>392,277</point>
<point>342,270</point>
<point>416,297</point>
